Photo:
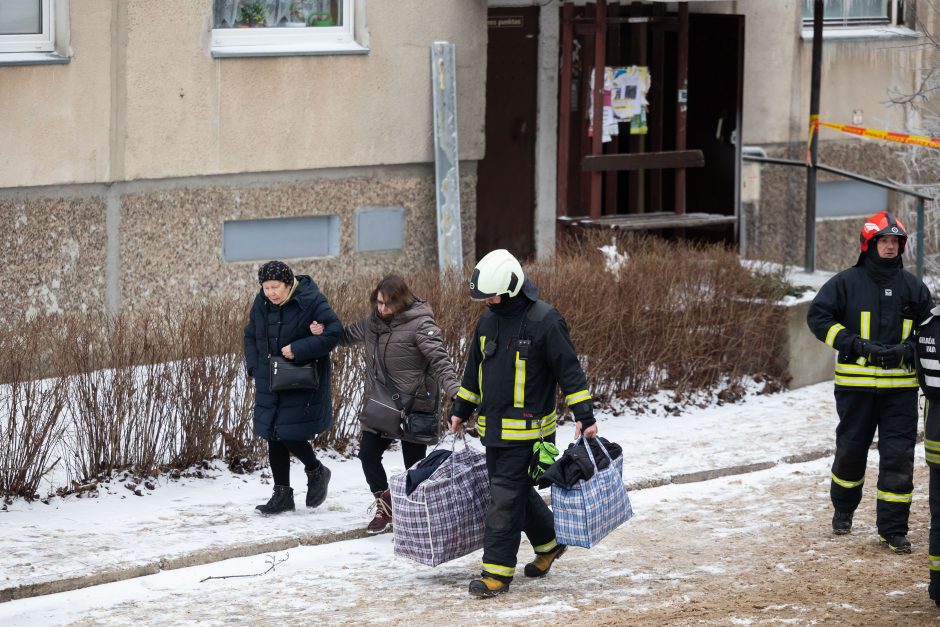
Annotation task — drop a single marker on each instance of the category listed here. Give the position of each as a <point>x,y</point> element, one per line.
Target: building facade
<point>160,151</point>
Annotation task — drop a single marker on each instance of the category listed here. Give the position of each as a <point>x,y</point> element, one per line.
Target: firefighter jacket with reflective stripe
<point>513,367</point>
<point>852,305</point>
<point>928,373</point>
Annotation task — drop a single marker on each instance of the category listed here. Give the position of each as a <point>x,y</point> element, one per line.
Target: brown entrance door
<point>506,175</point>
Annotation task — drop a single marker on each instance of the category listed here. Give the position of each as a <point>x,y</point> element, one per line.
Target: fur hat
<point>276,271</point>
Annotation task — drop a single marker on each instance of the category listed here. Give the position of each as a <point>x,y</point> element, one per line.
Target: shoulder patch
<point>538,311</point>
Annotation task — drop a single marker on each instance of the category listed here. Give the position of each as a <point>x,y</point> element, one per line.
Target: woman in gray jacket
<point>400,331</point>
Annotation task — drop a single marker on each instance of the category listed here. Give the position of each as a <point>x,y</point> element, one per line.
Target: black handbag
<point>382,408</point>
<point>286,376</point>
<point>381,413</point>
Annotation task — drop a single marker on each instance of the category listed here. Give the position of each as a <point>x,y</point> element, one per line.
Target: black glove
<point>867,348</point>
<point>895,356</point>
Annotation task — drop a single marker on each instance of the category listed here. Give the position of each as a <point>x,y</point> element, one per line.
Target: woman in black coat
<point>279,325</point>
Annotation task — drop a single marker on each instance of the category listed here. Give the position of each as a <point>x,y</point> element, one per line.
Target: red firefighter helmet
<point>879,225</point>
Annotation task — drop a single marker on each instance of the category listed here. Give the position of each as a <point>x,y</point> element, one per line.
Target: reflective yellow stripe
<point>467,395</point>
<point>865,333</point>
<point>865,326</point>
<point>876,383</point>
<point>577,397</point>
<point>894,498</point>
<point>906,327</point>
<point>931,445</point>
<point>873,371</point>
<point>847,484</point>
<point>480,365</point>
<point>514,429</point>
<point>833,332</point>
<point>932,458</point>
<point>548,547</point>
<point>496,569</point>
<point>518,387</point>
<point>934,562</point>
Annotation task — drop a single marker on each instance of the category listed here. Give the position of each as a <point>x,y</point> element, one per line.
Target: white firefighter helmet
<point>496,274</point>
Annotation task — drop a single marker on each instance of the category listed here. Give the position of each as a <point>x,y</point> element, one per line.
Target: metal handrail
<point>890,185</point>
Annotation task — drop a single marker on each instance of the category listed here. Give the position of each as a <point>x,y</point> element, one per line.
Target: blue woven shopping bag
<point>591,509</point>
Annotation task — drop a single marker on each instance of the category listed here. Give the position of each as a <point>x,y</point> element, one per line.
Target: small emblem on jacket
<point>888,292</point>
<point>430,332</point>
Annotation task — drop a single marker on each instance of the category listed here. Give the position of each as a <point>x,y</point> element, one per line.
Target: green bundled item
<point>543,456</point>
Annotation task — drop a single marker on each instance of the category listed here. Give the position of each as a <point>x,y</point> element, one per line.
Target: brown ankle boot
<point>382,520</point>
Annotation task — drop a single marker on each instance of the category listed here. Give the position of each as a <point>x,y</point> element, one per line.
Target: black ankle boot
<point>281,501</point>
<point>317,481</point>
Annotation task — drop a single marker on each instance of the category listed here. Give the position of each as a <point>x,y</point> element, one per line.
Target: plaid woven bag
<point>591,509</point>
<point>444,517</point>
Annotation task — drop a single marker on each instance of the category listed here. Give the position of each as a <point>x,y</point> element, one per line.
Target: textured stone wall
<point>169,237</point>
<point>53,254</point>
<point>776,223</point>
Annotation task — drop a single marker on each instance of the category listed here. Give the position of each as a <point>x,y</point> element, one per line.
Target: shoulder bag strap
<point>388,380</point>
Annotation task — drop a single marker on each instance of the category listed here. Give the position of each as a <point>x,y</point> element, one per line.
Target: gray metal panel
<point>447,176</point>
<point>379,229</point>
<point>849,198</point>
<point>280,238</point>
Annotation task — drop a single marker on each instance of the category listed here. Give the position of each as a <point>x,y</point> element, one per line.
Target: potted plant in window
<point>297,13</point>
<point>252,14</point>
<point>320,19</point>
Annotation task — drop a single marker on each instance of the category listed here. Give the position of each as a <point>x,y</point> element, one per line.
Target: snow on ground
<point>72,537</point>
<point>743,549</point>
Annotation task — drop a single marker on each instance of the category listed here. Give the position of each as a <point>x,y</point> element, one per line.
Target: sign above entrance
<point>505,21</point>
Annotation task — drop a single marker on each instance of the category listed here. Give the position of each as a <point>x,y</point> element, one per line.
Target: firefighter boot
<point>841,523</point>
<point>281,501</point>
<point>540,566</point>
<point>897,543</point>
<point>488,587</point>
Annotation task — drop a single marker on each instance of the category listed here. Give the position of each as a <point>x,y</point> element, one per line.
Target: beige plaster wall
<point>143,99</point>
<point>54,119</point>
<point>857,75</point>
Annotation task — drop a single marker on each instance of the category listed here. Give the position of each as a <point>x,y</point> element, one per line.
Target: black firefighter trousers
<point>931,431</point>
<point>516,507</point>
<point>894,415</point>
<point>934,589</point>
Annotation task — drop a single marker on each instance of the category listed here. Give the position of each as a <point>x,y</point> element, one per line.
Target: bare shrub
<point>680,316</point>
<point>31,429</point>
<point>167,389</point>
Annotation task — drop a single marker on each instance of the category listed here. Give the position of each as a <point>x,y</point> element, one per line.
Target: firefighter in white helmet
<point>520,354</point>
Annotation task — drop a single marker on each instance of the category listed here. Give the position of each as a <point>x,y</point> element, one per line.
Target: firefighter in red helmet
<point>868,314</point>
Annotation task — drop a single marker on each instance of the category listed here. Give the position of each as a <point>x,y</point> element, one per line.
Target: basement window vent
<point>379,229</point>
<point>280,238</point>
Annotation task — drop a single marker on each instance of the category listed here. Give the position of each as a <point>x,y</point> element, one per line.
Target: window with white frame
<point>856,12</point>
<point>284,27</point>
<point>26,26</point>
